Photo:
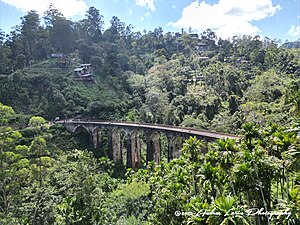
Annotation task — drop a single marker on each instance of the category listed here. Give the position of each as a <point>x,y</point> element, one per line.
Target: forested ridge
<point>243,85</point>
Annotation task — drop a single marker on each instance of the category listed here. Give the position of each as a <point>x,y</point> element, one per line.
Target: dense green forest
<point>244,85</point>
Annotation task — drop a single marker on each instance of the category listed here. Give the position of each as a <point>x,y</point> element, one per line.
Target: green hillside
<point>242,85</point>
<point>204,89</point>
<point>187,79</point>
<point>47,90</point>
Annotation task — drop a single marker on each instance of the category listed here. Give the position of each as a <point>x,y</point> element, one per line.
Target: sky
<point>278,19</point>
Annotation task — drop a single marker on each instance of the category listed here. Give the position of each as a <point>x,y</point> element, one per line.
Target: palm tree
<point>244,181</point>
<point>251,131</point>
<point>192,150</point>
<point>282,141</point>
<point>227,149</point>
<point>293,154</point>
<point>227,212</point>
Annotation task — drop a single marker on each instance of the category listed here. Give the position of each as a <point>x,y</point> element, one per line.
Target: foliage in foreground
<point>233,183</point>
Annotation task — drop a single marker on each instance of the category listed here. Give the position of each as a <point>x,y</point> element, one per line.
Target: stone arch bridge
<point>175,136</point>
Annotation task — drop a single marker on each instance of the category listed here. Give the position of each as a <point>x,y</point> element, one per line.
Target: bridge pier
<point>153,147</point>
<point>170,147</point>
<point>135,149</point>
<point>110,144</point>
<point>117,148</point>
<point>114,145</point>
<point>128,151</point>
<point>96,138</point>
<point>174,146</point>
<point>178,143</point>
<point>149,150</point>
<point>156,147</point>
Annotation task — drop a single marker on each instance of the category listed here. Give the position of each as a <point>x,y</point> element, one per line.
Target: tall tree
<point>117,27</point>
<point>90,29</point>
<point>29,30</point>
<point>51,15</point>
<point>5,54</point>
<point>60,30</point>
<point>8,160</point>
<point>61,36</point>
<point>94,24</point>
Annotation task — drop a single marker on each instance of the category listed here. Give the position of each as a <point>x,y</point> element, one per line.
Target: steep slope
<point>46,89</point>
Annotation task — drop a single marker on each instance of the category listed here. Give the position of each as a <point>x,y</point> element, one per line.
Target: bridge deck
<point>158,127</point>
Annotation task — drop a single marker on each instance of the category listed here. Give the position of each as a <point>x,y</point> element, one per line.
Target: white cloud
<point>147,14</point>
<point>149,4</point>
<point>227,17</point>
<point>130,12</point>
<point>67,7</point>
<point>294,31</point>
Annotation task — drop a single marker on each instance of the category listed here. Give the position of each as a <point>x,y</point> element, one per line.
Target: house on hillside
<point>196,79</point>
<point>202,47</point>
<point>87,68</point>
<point>84,73</point>
<point>194,36</point>
<point>63,60</point>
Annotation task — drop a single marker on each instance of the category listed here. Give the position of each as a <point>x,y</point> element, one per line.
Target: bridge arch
<point>83,136</point>
<point>121,145</point>
<point>79,128</point>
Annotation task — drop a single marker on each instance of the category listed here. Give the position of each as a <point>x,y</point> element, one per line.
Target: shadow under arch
<point>153,147</point>
<point>100,138</point>
<point>83,137</point>
<point>80,128</point>
<point>164,147</point>
<point>175,144</point>
<point>134,146</point>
